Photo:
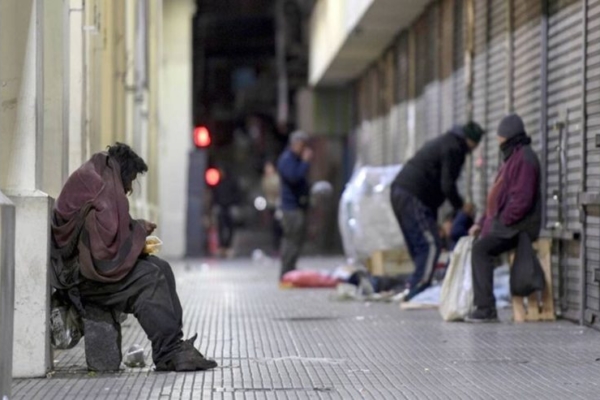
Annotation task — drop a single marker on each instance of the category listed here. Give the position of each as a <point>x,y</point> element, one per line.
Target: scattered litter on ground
<point>134,358</point>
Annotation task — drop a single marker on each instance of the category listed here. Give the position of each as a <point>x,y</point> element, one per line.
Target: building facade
<point>75,77</point>
<point>456,60</point>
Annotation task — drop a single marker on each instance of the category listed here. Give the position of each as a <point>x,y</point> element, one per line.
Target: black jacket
<point>432,173</point>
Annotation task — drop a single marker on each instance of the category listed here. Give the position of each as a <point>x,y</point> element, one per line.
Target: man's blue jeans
<point>419,227</point>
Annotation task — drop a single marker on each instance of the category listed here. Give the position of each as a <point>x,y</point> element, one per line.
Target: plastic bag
<point>527,276</point>
<point>456,298</point>
<point>65,322</point>
<point>310,279</point>
<point>366,219</point>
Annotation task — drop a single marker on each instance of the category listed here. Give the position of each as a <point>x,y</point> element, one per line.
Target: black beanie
<point>473,131</point>
<point>510,126</point>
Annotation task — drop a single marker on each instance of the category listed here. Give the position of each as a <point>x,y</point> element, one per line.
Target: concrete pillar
<point>21,128</point>
<point>175,122</point>
<point>75,86</point>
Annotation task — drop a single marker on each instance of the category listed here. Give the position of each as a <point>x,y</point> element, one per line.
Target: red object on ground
<point>309,279</point>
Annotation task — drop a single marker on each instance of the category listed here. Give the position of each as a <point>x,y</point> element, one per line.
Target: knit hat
<point>473,131</point>
<point>510,126</point>
<point>299,136</point>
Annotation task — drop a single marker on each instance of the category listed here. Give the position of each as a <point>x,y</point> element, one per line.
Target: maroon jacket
<point>514,202</point>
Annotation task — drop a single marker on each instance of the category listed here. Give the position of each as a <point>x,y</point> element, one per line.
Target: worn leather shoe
<point>482,315</point>
<point>187,358</point>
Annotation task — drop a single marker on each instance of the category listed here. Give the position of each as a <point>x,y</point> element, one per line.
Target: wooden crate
<point>390,263</point>
<point>526,309</point>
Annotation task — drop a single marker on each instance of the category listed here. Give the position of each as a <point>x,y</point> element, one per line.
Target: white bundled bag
<point>456,298</point>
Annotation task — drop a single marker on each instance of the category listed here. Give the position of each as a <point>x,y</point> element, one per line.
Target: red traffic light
<point>202,137</point>
<point>212,176</point>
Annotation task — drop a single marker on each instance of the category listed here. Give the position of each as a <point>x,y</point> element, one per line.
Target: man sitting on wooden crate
<point>421,187</point>
<point>513,207</point>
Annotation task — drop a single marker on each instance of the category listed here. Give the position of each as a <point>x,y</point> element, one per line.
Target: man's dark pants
<point>483,261</point>
<point>294,233</point>
<point>419,227</point>
<point>226,227</point>
<point>149,293</point>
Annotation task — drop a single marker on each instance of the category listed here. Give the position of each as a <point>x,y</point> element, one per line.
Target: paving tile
<point>299,344</point>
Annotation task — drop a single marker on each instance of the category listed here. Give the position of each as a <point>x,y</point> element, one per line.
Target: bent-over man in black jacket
<point>421,187</point>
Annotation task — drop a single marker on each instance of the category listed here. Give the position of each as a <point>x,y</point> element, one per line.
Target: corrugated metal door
<point>459,88</point>
<point>432,90</point>
<point>376,128</point>
<point>446,63</point>
<point>564,169</point>
<point>497,81</point>
<point>593,162</point>
<point>526,60</point>
<point>391,129</point>
<point>458,64</point>
<point>402,86</point>
<point>480,101</point>
<point>421,74</point>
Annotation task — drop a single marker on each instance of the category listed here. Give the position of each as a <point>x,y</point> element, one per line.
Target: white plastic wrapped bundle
<point>366,219</point>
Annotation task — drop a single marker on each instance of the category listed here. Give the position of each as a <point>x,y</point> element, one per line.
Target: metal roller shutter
<point>459,89</point>
<point>391,131</point>
<point>564,169</point>
<point>496,93</point>
<point>458,67</point>
<point>447,66</point>
<point>421,74</point>
<point>526,59</point>
<point>377,136</point>
<point>593,161</point>
<point>402,84</point>
<point>431,62</point>
<point>479,100</point>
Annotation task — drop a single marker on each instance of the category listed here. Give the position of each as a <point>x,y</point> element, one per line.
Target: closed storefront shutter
<point>458,61</point>
<point>496,93</point>
<point>564,169</point>
<point>526,59</point>
<point>446,63</point>
<point>421,41</point>
<point>402,84</point>
<point>593,161</point>
<point>479,101</point>
<point>431,63</point>
<point>391,129</point>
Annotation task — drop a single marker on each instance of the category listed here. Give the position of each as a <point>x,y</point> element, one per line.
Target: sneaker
<point>482,315</point>
<point>401,297</point>
<point>187,358</point>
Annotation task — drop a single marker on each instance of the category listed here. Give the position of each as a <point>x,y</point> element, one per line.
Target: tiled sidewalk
<point>299,344</point>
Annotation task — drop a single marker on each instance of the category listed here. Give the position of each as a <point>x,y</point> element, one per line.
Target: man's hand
<point>475,230</point>
<point>307,154</point>
<point>149,227</point>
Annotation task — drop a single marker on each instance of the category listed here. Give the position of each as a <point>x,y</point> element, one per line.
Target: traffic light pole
<point>195,232</point>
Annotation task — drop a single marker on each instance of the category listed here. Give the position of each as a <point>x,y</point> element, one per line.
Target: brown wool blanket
<point>91,222</point>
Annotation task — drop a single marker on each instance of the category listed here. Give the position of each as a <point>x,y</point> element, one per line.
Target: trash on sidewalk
<point>134,358</point>
<point>309,279</point>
